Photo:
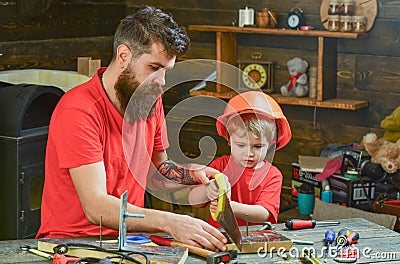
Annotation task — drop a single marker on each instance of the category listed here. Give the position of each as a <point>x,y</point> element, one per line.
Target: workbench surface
<point>377,244</point>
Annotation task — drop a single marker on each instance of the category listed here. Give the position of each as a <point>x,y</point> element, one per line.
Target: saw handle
<point>220,180</point>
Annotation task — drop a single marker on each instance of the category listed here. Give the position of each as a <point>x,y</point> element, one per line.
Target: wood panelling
<point>367,69</point>
<point>66,30</point>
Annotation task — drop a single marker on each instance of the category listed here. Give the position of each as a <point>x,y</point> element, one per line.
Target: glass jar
<point>346,24</point>
<point>359,24</point>
<point>347,8</point>
<point>334,23</point>
<point>334,7</point>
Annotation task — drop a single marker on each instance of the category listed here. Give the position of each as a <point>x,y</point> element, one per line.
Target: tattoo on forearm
<point>176,173</point>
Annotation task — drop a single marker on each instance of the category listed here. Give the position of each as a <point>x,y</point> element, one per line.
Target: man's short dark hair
<point>149,25</point>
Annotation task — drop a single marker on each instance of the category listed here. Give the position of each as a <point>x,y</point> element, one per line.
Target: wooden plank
<point>327,65</point>
<point>285,32</point>
<point>226,53</point>
<point>382,40</point>
<point>62,20</point>
<point>268,240</point>
<point>57,54</point>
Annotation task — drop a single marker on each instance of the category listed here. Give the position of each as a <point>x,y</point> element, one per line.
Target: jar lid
<point>333,17</point>
<point>345,18</point>
<point>359,19</point>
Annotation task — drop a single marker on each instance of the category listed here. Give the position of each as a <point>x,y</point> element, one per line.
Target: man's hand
<point>196,232</point>
<point>201,173</point>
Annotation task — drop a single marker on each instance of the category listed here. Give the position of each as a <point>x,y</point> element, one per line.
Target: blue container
<point>326,196</point>
<point>305,203</point>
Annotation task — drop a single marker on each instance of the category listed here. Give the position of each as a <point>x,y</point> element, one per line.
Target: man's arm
<point>90,184</point>
<point>188,174</point>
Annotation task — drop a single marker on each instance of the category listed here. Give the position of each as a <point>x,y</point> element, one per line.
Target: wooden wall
<point>368,69</point>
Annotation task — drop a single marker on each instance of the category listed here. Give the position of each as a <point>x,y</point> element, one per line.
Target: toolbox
<point>352,192</point>
<point>299,177</point>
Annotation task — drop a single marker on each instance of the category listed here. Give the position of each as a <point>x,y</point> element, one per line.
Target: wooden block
<point>87,66</point>
<point>155,254</point>
<point>268,240</point>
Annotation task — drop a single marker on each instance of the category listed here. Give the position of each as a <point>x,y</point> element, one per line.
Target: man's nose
<point>159,77</point>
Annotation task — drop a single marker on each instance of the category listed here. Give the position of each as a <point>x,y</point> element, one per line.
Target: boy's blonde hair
<point>256,124</point>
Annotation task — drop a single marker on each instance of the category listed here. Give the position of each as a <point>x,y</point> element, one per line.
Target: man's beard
<point>141,105</point>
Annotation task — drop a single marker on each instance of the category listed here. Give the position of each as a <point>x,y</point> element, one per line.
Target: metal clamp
<point>123,214</point>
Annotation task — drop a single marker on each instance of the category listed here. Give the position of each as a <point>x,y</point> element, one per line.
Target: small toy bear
<point>383,152</point>
<point>391,124</point>
<point>298,80</point>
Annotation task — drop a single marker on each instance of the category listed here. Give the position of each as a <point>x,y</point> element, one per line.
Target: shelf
<point>284,32</point>
<point>336,103</point>
<point>226,51</point>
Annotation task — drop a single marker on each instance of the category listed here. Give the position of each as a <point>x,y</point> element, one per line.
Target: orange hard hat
<point>258,103</point>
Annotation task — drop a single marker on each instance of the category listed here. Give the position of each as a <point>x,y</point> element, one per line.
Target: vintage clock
<point>256,75</point>
<point>295,18</point>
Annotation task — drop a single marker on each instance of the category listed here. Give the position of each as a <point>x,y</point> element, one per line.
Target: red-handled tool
<point>162,241</point>
<point>62,259</point>
<point>295,224</point>
<point>353,238</point>
<point>212,257</point>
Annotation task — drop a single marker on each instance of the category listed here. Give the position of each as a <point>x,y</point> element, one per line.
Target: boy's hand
<point>212,190</point>
<point>214,206</point>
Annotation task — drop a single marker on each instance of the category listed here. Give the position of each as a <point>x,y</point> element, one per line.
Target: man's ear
<point>124,56</point>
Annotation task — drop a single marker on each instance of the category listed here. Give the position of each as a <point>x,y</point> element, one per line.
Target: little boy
<point>254,126</point>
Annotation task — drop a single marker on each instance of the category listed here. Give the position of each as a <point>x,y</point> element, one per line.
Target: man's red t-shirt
<point>260,186</point>
<point>86,128</point>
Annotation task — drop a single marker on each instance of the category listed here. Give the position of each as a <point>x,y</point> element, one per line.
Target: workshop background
<point>52,34</point>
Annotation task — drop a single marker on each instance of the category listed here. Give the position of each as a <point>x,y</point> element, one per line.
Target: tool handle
<point>192,249</point>
<point>40,253</point>
<point>295,224</point>
<point>221,182</point>
<point>162,241</point>
<point>330,236</point>
<point>353,237</point>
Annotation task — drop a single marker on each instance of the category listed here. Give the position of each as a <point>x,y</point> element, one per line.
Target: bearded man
<point>106,133</point>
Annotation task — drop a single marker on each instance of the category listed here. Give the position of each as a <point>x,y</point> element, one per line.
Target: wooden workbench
<point>384,245</point>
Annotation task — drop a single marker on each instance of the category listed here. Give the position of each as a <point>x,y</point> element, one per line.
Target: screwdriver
<point>342,235</point>
<point>295,224</point>
<point>353,237</point>
<point>329,239</point>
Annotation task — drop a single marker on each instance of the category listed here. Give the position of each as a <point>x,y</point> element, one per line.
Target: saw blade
<point>228,222</point>
<point>224,214</point>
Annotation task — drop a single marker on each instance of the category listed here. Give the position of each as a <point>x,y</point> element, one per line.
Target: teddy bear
<point>383,152</point>
<point>298,80</point>
<point>391,124</point>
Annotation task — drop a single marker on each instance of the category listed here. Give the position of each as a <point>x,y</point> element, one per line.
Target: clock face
<point>254,76</point>
<point>293,21</point>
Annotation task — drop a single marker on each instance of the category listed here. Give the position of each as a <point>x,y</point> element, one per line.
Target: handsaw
<point>224,214</point>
